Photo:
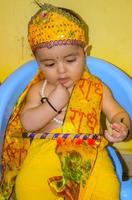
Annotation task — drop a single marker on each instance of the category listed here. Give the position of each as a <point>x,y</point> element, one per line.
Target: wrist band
<point>117,115</point>
<point>43,99</point>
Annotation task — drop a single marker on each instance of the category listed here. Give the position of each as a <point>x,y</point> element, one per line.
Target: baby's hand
<point>59,97</point>
<point>118,132</point>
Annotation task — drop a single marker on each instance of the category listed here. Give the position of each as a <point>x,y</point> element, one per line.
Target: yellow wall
<point>109,23</point>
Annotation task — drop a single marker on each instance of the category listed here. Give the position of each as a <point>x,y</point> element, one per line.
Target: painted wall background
<point>109,23</point>
<point>110,33</point>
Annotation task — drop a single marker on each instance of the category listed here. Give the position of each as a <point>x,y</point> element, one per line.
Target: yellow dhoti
<point>42,163</point>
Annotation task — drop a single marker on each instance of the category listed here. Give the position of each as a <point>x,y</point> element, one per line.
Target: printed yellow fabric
<point>53,26</point>
<point>66,168</point>
<point>32,181</point>
<point>14,147</point>
<point>84,108</point>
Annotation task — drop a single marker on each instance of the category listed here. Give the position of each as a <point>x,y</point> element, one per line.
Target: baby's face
<point>61,64</point>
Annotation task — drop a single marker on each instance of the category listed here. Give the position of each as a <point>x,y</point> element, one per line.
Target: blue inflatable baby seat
<point>119,82</point>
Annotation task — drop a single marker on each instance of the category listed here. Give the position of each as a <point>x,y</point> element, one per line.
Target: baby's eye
<point>71,60</point>
<point>49,65</point>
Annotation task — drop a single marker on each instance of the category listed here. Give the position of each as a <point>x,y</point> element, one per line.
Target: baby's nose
<point>61,68</point>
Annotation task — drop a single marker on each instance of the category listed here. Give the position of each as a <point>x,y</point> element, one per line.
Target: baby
<point>67,158</point>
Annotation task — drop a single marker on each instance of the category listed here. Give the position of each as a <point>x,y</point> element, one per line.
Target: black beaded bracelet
<point>43,99</point>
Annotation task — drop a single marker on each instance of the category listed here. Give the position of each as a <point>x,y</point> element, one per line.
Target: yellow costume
<point>73,164</point>
<point>71,168</point>
<point>43,174</point>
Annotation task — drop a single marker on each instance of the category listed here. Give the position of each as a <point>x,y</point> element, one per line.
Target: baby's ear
<point>87,50</point>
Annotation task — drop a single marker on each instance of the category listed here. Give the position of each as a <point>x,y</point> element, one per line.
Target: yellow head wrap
<point>53,26</point>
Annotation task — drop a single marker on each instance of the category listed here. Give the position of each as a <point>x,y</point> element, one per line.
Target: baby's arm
<point>117,116</point>
<point>36,115</point>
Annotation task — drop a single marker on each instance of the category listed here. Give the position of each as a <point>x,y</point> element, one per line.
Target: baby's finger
<point>116,126</point>
<point>116,133</point>
<point>108,136</point>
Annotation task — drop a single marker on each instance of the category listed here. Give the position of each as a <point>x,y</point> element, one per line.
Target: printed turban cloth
<point>53,26</point>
